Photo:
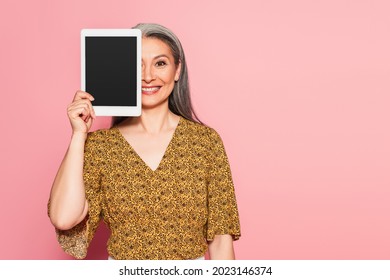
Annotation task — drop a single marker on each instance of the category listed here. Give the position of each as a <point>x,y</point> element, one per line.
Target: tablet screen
<point>111,70</point>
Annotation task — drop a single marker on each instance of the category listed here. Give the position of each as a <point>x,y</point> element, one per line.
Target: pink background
<point>298,90</point>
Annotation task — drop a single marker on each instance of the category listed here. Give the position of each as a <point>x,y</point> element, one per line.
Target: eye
<point>161,63</point>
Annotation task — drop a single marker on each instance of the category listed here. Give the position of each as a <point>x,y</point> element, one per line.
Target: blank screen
<point>110,66</point>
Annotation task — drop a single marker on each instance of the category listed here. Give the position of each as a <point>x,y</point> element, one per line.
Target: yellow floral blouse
<point>169,213</point>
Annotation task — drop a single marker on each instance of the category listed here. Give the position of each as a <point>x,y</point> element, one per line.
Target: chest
<point>150,148</point>
<point>178,187</point>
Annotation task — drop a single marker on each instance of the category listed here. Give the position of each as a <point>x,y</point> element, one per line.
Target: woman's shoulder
<point>207,133</point>
<point>97,134</point>
<point>101,136</point>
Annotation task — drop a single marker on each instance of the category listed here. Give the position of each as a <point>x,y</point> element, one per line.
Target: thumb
<point>89,122</point>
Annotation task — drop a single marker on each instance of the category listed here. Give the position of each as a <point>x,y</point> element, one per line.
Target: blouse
<point>168,213</point>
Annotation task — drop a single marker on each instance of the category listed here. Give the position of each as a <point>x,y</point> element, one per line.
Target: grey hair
<point>179,101</point>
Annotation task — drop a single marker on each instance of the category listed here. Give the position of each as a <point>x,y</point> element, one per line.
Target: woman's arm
<point>68,205</point>
<point>221,247</point>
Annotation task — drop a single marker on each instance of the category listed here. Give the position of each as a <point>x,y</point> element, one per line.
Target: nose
<point>148,74</point>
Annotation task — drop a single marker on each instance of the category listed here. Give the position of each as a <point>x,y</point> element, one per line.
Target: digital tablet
<point>111,70</point>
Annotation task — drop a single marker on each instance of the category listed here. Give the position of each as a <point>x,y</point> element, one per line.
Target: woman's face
<point>159,72</point>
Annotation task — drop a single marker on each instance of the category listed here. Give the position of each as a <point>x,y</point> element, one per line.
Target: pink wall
<point>309,140</point>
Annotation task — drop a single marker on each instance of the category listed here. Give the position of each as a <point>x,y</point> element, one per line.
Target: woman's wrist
<point>79,136</point>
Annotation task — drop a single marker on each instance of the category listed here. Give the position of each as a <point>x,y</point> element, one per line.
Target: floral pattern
<point>169,213</point>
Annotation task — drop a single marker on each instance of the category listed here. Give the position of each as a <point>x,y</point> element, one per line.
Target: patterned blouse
<point>169,213</point>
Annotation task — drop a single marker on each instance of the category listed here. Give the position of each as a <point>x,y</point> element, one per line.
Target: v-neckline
<point>166,152</point>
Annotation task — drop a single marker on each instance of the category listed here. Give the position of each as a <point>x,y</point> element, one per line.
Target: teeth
<point>150,89</point>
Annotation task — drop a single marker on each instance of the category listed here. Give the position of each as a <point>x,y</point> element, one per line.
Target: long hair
<point>179,101</point>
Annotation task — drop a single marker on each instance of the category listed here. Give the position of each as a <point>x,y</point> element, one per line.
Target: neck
<point>155,120</point>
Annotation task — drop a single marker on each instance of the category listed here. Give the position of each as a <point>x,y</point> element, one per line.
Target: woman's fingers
<point>80,112</point>
<point>84,101</point>
<point>83,95</point>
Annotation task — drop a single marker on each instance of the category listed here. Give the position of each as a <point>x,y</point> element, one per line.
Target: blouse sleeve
<point>222,206</point>
<point>76,240</point>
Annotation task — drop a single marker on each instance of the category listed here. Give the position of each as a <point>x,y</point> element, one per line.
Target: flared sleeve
<point>222,206</point>
<point>76,240</point>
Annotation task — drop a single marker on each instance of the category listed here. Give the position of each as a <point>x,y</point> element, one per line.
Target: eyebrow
<point>161,55</point>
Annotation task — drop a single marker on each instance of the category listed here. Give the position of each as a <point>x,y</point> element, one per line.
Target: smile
<point>150,90</point>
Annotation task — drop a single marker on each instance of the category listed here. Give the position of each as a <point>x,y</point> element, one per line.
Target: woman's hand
<point>81,113</point>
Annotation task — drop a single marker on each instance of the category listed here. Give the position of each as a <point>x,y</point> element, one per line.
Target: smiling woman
<point>159,72</point>
<point>161,181</point>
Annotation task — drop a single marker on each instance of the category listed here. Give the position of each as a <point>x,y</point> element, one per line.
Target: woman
<point>161,181</point>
